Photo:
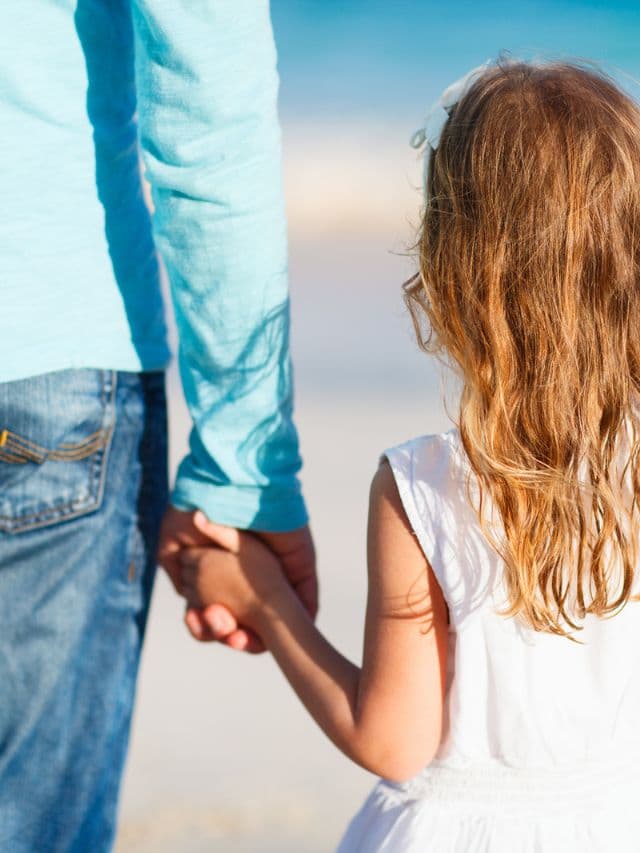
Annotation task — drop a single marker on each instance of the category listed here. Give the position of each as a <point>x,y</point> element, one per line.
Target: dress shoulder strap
<point>431,473</point>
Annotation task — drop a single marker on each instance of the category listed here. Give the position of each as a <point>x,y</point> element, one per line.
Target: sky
<point>360,58</point>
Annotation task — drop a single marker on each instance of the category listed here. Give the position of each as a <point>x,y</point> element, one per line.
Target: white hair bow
<point>439,112</point>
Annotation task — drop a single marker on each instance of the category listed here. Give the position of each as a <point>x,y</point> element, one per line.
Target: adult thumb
<point>226,537</point>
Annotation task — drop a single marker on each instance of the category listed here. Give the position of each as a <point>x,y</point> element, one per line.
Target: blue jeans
<point>83,486</point>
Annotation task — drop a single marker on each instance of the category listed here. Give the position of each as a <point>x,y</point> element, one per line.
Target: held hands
<point>191,530</point>
<point>247,578</point>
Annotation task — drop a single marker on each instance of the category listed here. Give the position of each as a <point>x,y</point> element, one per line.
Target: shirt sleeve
<point>207,90</point>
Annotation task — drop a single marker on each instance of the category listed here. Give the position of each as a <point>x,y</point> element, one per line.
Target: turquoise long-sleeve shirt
<point>86,87</point>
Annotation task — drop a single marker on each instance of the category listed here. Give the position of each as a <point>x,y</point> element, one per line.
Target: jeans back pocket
<point>55,434</point>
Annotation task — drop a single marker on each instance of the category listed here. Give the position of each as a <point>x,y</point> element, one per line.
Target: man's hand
<point>294,550</point>
<point>179,531</point>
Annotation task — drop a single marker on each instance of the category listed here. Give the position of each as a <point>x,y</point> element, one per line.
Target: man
<point>82,352</point>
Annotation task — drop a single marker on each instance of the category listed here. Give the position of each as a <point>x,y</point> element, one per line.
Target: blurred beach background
<point>222,756</point>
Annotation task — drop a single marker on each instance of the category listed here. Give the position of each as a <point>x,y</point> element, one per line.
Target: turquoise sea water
<point>355,73</point>
<point>342,58</point>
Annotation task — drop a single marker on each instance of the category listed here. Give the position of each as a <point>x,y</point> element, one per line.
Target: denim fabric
<point>83,485</point>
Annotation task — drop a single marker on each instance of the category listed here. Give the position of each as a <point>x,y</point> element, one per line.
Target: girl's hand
<point>247,580</point>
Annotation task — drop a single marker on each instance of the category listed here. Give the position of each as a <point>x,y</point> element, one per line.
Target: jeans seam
<point>109,387</point>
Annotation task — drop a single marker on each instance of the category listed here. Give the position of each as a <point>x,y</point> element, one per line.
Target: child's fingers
<point>226,537</point>
<point>244,640</point>
<point>223,627</point>
<point>199,627</point>
<point>194,624</point>
<point>220,621</point>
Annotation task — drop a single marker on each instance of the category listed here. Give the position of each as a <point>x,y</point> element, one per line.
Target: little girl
<point>499,693</point>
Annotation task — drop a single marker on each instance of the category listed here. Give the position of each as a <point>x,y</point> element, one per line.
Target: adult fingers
<point>226,537</point>
<point>174,571</point>
<point>307,592</point>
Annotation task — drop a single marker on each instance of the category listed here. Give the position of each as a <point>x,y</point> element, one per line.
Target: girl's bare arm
<point>386,716</point>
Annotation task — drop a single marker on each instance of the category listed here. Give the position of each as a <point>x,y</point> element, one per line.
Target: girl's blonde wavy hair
<point>529,259</point>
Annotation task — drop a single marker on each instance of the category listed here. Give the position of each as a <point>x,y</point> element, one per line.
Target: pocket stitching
<point>23,450</point>
<point>22,523</point>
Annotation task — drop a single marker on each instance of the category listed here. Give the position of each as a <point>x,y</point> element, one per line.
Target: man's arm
<point>207,99</point>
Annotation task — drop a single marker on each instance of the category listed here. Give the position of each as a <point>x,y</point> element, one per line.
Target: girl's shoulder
<point>437,488</point>
<point>430,473</point>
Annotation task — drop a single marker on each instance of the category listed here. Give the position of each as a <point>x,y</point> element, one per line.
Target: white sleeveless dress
<point>541,749</point>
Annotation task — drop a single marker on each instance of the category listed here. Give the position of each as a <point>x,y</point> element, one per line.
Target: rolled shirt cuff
<point>270,509</point>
